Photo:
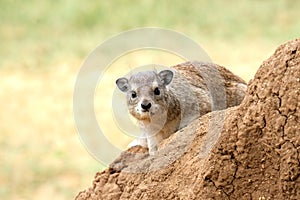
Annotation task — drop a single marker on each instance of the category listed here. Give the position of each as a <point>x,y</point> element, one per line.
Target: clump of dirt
<point>248,152</point>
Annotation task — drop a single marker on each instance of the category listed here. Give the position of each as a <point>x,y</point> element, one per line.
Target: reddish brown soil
<point>247,152</point>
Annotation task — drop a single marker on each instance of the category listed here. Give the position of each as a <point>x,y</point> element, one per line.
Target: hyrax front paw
<point>152,145</point>
<point>138,142</point>
<point>153,150</point>
<point>133,143</point>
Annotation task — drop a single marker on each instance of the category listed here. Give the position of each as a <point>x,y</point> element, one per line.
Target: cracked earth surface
<point>256,154</point>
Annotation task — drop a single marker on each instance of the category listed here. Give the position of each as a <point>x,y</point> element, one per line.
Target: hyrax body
<point>166,101</point>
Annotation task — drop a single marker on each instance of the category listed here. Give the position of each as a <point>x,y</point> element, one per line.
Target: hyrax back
<point>167,101</point>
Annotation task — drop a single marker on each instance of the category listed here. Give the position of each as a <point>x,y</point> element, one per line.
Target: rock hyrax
<point>166,101</point>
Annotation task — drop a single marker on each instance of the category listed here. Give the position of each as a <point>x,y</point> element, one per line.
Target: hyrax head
<point>146,93</point>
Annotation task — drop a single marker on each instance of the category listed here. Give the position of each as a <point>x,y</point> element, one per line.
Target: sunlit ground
<point>43,45</point>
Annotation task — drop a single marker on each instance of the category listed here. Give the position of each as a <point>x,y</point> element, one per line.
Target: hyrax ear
<point>166,76</point>
<point>122,84</point>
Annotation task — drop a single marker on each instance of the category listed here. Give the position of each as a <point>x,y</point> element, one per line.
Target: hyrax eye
<point>156,91</point>
<point>133,94</point>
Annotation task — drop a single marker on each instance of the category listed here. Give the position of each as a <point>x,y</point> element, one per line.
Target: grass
<point>43,44</point>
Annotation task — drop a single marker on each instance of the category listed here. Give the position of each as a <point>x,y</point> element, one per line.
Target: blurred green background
<point>43,43</point>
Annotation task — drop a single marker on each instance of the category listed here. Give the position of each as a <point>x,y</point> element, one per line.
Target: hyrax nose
<point>146,106</point>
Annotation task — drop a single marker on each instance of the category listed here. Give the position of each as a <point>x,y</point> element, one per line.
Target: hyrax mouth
<point>141,114</point>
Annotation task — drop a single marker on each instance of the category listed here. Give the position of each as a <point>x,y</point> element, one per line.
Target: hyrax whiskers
<point>166,101</point>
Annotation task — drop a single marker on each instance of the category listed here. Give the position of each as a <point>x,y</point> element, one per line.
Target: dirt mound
<point>246,152</point>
